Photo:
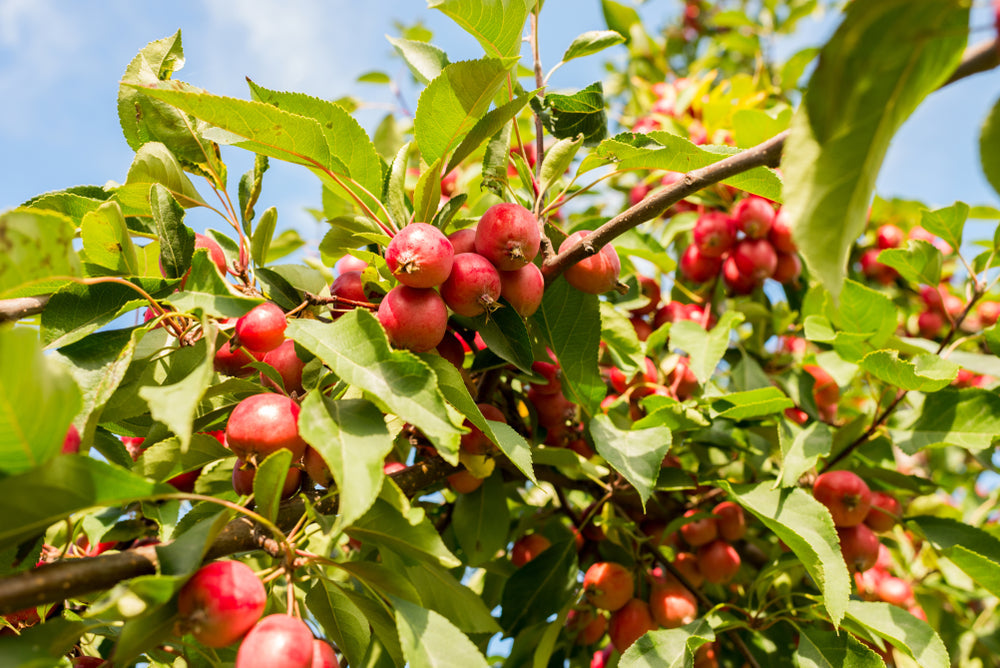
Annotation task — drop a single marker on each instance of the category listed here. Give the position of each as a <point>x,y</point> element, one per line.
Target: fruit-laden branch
<point>75,577</point>
<point>980,58</point>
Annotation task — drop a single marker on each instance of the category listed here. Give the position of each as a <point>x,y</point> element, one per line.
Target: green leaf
<point>71,484</point>
<point>505,334</point>
<point>569,322</point>
<point>849,114</point>
<point>431,641</point>
<point>353,440</point>
<point>38,400</point>
<point>342,620</point>
<point>449,210</point>
<point>513,445</point>
<point>176,238</point>
<point>673,648</point>
<point>912,636</point>
<point>968,418</point>
<point>385,643</point>
<point>557,160</point>
<point>804,450</point>
<point>155,163</point>
<point>106,240</point>
<point>918,262</point>
<point>497,24</point>
<point>751,404</point>
<point>705,349</point>
<point>43,645</point>
<point>973,550</point>
<point>249,190</point>
<point>268,481</point>
<point>582,113</point>
<point>805,526</point>
<point>488,126</point>
<point>925,373</point>
<point>539,588</point>
<point>441,592</point>
<point>405,531</point>
<point>828,649</point>
<point>592,42</point>
<point>637,454</point>
<point>425,60</point>
<point>866,311</point>
<point>347,233</point>
<point>453,103</point>
<point>176,404</point>
<point>143,632</point>
<point>989,147</point>
<point>619,335</point>
<point>395,189</point>
<point>755,126</point>
<point>37,245</point>
<point>620,18</point>
<point>494,169</point>
<point>164,460</point>
<point>356,349</point>
<point>260,243</point>
<point>207,291</point>
<point>481,521</point>
<point>947,223</point>
<point>427,193</point>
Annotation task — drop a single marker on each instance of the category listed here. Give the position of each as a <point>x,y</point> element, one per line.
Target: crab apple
<point>875,270</point>
<point>921,234</point>
<point>529,153</point>
<point>449,183</point>
<point>929,324</point>
<point>638,193</point>
<point>214,251</point>
<point>473,286</point>
<point>780,234</point>
<point>475,441</point>
<point>89,662</point>
<point>289,366</point>
<point>277,641</point>
<point>672,605</point>
<point>586,626</point>
<point>463,241</point>
<point>451,349</point>
<point>523,288</point>
<point>826,392</point>
<point>550,372</point>
<point>756,258</point>
<point>552,409</point>
<point>989,313</point>
<point>797,415</point>
<point>629,623</point>
<point>608,585</point>
<point>883,513</point>
<point>889,236</point>
<point>349,263</point>
<point>134,445</point>
<point>350,286</point>
<point>754,216</point>
<point>650,289</point>
<point>233,361</point>
<point>730,520</point>
<point>71,443</point>
<point>714,234</point>
<point>736,280</point>
<point>221,602</point>
<point>393,467</point>
<point>845,495</point>
<point>262,424</point>
<point>895,591</point>
<point>413,318</point>
<point>262,328</point>
<point>859,545</point>
<point>595,274</point>
<point>581,447</point>
<point>324,655</point>
<point>698,267</point>
<point>508,236</point>
<point>788,269</point>
<point>243,475</point>
<point>420,256</point>
<point>699,532</point>
<point>527,548</point>
<point>464,482</point>
<point>641,326</point>
<point>718,561</point>
<point>933,297</point>
<point>316,468</point>
<point>682,379</point>
<point>687,564</point>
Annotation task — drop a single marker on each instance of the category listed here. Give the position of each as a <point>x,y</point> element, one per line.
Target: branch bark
<point>12,310</point>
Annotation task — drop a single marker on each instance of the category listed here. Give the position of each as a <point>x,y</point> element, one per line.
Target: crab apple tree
<point>638,369</point>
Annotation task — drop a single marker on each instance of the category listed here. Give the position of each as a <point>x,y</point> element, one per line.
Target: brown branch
<point>75,577</point>
<point>12,310</point>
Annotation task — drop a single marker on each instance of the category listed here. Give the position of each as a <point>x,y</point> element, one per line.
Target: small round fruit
<point>595,274</point>
<point>714,234</point>
<point>233,361</point>
<point>214,251</point>
<point>755,258</point>
<point>718,561</point>
<point>730,520</point>
<point>475,441</point>
<point>473,286</point>
<point>463,241</point>
<point>289,366</point>
<point>71,443</point>
<point>754,216</point>
<point>523,288</point>
<point>889,236</point>
<point>859,545</point>
<point>420,256</point>
<point>883,513</point>
<point>788,269</point>
<point>262,328</point>
<point>698,267</point>
<point>649,288</point>
<point>629,623</point>
<point>89,662</point>
<point>323,655</point>
<point>780,234</point>
<point>699,532</point>
<point>845,495</point>
<point>550,372</point>
<point>221,602</point>
<point>508,236</point>
<point>735,279</point>
<point>895,591</point>
<point>349,286</point>
<point>463,482</point>
<point>608,585</point>
<point>262,424</point>
<point>349,263</point>
<point>527,548</point>
<point>673,605</point>
<point>277,641</point>
<point>587,626</point>
<point>687,564</point>
<point>243,475</point>
<point>413,318</point>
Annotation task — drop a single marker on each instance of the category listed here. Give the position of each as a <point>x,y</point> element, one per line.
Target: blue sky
<point>60,62</point>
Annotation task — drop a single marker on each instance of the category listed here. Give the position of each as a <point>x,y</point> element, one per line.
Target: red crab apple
<point>523,288</point>
<point>262,424</point>
<point>286,362</point>
<point>221,602</point>
<point>736,280</point>
<point>845,495</point>
<point>895,591</point>
<point>889,236</point>
<point>508,236</point>
<point>71,443</point>
<point>649,288</point>
<point>698,267</point>
<point>324,655</point>
<point>586,626</point>
<point>629,623</point>
<point>718,561</point>
<point>714,234</point>
<point>262,328</point>
<point>699,532</point>
<point>754,216</point>
<point>730,519</point>
<point>413,318</point>
<point>244,474</point>
<point>788,269</point>
<point>350,263</point>
<point>780,234</point>
<point>608,585</point>
<point>349,286</point>
<point>277,641</point>
<point>527,548</point>
<point>420,256</point>
<point>755,258</point>
<point>475,441</point>
<point>883,513</point>
<point>672,605</point>
<point>463,241</point>
<point>464,482</point>
<point>473,286</point>
<point>231,361</point>
<point>859,545</point>
<point>687,564</point>
<point>89,662</point>
<point>595,274</point>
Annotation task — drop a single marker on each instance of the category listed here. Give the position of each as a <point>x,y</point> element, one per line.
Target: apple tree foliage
<point>874,353</point>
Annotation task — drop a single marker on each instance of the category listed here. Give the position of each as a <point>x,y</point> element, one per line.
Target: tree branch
<point>12,310</point>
